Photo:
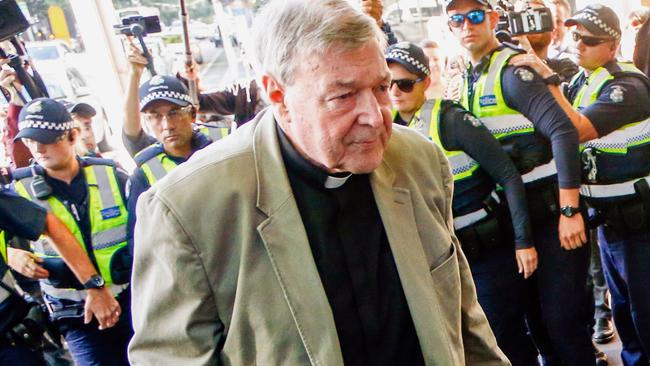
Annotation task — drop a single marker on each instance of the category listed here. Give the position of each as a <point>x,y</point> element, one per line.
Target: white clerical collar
<point>335,182</point>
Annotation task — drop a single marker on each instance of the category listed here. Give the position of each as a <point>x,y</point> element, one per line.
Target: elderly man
<point>325,242</point>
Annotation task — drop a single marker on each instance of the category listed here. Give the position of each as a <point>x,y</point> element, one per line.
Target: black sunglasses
<point>589,41</point>
<point>405,85</point>
<point>474,17</point>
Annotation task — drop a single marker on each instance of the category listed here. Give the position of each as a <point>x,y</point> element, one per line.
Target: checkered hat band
<point>599,23</point>
<point>166,94</point>
<point>43,125</point>
<point>401,55</point>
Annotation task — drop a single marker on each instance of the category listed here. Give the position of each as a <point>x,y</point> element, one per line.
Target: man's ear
<point>494,19</point>
<point>275,94</point>
<point>427,82</point>
<point>73,135</point>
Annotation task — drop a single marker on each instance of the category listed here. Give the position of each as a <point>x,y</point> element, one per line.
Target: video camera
<point>528,21</point>
<point>12,23</point>
<point>139,26</point>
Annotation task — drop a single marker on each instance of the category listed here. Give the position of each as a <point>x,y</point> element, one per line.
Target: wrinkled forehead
<point>341,65</point>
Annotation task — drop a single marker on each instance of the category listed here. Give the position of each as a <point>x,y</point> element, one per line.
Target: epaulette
<point>86,161</point>
<point>26,172</point>
<point>148,153</point>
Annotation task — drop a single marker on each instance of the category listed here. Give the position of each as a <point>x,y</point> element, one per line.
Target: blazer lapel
<point>396,210</point>
<point>288,248</point>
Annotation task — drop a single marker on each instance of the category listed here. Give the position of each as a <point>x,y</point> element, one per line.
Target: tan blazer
<point>224,274</point>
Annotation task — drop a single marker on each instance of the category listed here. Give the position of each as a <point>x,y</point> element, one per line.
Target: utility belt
<point>484,229</point>
<point>68,303</point>
<point>62,277</point>
<point>625,207</point>
<point>23,321</point>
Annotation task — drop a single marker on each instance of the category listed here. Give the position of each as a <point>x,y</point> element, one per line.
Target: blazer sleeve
<point>174,313</point>
<point>479,343</point>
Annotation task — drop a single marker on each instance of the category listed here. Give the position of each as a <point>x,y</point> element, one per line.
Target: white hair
<point>287,31</point>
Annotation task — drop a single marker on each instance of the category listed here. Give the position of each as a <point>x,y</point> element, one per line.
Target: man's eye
<point>173,113</point>
<point>344,96</point>
<point>383,88</point>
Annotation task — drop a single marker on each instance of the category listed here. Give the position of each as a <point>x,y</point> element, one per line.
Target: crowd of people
<point>365,200</point>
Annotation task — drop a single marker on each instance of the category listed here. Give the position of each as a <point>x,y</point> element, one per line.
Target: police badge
<point>525,74</point>
<point>473,120</point>
<point>617,94</point>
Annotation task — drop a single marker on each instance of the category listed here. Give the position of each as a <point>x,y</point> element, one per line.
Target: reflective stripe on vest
<point>157,167</point>
<point>489,104</point>
<point>107,212</point>
<point>617,142</point>
<point>214,133</point>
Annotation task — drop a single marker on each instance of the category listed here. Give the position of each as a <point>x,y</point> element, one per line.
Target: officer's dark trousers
<point>560,282</point>
<point>90,346</point>
<point>499,289</point>
<point>20,356</point>
<point>626,258</point>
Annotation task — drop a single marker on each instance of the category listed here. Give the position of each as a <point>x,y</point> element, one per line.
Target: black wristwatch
<point>569,211</point>
<point>95,281</point>
<point>553,80</point>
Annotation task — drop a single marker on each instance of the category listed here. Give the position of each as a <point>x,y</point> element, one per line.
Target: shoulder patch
<point>618,94</point>
<point>524,74</point>
<point>473,120</point>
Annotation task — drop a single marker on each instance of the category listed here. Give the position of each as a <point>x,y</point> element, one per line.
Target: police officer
<point>518,109</point>
<point>611,110</point>
<point>166,107</point>
<point>22,218</point>
<point>134,137</point>
<point>482,225</point>
<point>87,195</point>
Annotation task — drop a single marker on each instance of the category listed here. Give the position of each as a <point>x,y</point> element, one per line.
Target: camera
<point>138,25</point>
<point>12,20</point>
<point>528,21</point>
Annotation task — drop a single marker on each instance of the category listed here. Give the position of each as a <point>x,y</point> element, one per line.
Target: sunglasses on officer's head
<point>474,17</point>
<point>589,41</point>
<point>405,85</point>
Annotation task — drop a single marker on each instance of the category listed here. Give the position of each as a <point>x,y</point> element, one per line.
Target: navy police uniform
<point>517,107</point>
<point>616,170</point>
<point>22,218</point>
<point>481,220</point>
<point>92,207</point>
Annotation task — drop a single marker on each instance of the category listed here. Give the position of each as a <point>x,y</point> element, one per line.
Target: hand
<point>374,8</point>
<point>524,43</point>
<point>26,263</point>
<point>526,261</point>
<point>531,60</point>
<point>191,73</point>
<point>137,61</point>
<point>572,232</point>
<point>101,304</point>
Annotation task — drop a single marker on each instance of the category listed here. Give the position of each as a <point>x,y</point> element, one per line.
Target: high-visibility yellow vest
<point>617,142</point>
<point>108,219</point>
<point>6,276</point>
<point>508,125</point>
<point>154,162</point>
<point>214,133</point>
<point>427,121</point>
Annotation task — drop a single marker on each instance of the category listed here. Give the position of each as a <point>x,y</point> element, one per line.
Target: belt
<point>464,221</point>
<point>540,172</point>
<point>610,190</point>
<point>75,295</point>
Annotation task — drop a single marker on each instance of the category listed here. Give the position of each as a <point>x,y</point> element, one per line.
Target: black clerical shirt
<point>355,264</point>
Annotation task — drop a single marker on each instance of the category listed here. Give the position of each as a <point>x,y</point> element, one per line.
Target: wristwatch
<point>553,79</point>
<point>569,211</point>
<point>95,281</point>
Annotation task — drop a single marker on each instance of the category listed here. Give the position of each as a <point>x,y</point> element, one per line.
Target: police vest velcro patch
<point>110,212</point>
<point>488,100</point>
